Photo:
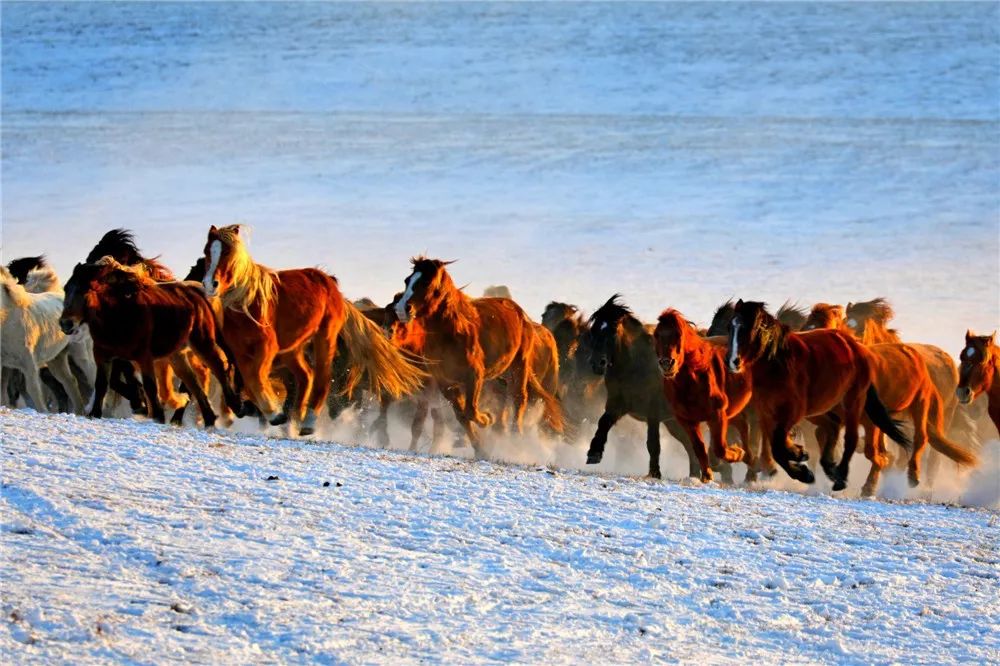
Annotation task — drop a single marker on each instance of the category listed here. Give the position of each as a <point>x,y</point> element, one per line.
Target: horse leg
<point>54,388</point>
<point>417,425</point>
<point>700,450</point>
<point>190,379</point>
<point>604,424</point>
<point>123,383</point>
<point>33,384</point>
<point>100,388</point>
<point>919,410</point>
<point>854,405</point>
<point>678,433</point>
<point>165,385</point>
<point>211,354</point>
<point>295,361</point>
<point>148,370</point>
<point>473,391</point>
<point>780,450</point>
<point>324,351</point>
<point>742,425</point>
<point>59,366</point>
<point>766,464</point>
<point>719,428</point>
<point>874,451</point>
<point>827,430</point>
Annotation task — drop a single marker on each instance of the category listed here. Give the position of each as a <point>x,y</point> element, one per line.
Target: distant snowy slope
<point>128,541</point>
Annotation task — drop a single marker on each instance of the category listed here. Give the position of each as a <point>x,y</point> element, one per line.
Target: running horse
<point>823,375</point>
<point>134,318</point>
<point>468,342</point>
<point>622,350</point>
<point>980,373</point>
<point>699,388</point>
<point>271,315</point>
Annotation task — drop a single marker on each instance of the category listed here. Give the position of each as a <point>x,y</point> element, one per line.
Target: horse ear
<point>993,337</point>
<point>739,303</point>
<point>213,230</point>
<point>968,335</point>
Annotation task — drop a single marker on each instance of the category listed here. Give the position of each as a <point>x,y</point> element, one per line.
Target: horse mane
<point>612,313</point>
<point>252,283</point>
<point>447,300</point>
<point>14,291</point>
<point>693,344</point>
<point>792,315</point>
<point>876,332</point>
<point>42,280</point>
<point>877,309</point>
<point>21,266</point>
<point>772,335</point>
<point>721,318</point>
<point>497,291</point>
<point>120,244</point>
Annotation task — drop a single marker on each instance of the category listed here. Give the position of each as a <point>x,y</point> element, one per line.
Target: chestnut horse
<point>274,315</point>
<point>623,352</point>
<point>700,389</point>
<point>137,319</point>
<point>904,381</point>
<point>470,341</point>
<point>822,375</point>
<point>980,373</point>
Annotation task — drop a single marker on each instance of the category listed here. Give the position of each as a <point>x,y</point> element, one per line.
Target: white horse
<point>30,338</point>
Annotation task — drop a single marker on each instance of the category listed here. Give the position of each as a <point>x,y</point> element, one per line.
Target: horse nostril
<point>215,284</point>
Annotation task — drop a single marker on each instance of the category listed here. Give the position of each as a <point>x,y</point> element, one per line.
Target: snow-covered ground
<point>127,541</point>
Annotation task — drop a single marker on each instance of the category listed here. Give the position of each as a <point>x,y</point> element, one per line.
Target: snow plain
<point>126,541</point>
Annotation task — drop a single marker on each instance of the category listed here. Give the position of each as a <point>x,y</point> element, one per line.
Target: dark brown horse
<point>790,314</point>
<point>980,373</point>
<point>700,389</point>
<point>582,391</point>
<point>134,318</point>
<point>624,353</point>
<point>824,375</point>
<point>471,341</point>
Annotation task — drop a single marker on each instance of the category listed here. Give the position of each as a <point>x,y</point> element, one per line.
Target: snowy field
<point>125,541</point>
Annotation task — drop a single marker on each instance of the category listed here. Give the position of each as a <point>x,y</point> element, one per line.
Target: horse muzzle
<point>964,394</point>
<point>600,365</point>
<point>668,368</point>
<point>69,326</point>
<point>735,366</point>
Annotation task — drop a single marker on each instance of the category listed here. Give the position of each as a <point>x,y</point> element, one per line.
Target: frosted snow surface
<point>129,541</point>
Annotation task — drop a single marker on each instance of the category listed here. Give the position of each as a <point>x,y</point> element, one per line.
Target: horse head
<point>978,364</point>
<point>825,315</point>
<point>668,337</point>
<point>605,330</point>
<point>427,278</point>
<point>752,333</point>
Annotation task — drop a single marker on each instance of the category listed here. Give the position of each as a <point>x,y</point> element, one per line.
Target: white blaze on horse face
<point>604,325</point>
<point>733,346</point>
<point>852,322</point>
<point>215,252</point>
<point>401,311</point>
<point>970,352</point>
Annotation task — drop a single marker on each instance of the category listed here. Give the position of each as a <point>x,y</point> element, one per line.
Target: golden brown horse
<point>470,341</point>
<point>273,316</point>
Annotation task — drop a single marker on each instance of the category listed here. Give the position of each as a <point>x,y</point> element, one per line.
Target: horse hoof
<point>247,409</point>
<point>801,473</point>
<point>279,419</point>
<point>839,484</point>
<point>594,458</point>
<point>305,431</point>
<point>914,481</point>
<point>733,454</point>
<point>655,474</point>
<point>829,468</point>
<point>706,476</point>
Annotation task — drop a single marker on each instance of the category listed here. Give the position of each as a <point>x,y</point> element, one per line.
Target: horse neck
<point>875,332</point>
<point>991,378</point>
<point>697,352</point>
<point>772,342</point>
<point>450,309</point>
<point>252,284</point>
<point>634,347</point>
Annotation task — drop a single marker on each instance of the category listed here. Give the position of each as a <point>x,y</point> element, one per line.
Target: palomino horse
<point>826,374</point>
<point>275,315</point>
<point>135,318</point>
<point>470,341</point>
<point>700,389</point>
<point>905,383</point>
<point>980,373</point>
<point>30,339</point>
<point>623,352</point>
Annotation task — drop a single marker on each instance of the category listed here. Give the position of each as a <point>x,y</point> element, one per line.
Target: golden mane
<point>251,283</point>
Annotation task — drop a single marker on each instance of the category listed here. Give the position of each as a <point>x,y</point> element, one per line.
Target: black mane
<point>117,243</point>
<point>610,313</point>
<point>20,267</point>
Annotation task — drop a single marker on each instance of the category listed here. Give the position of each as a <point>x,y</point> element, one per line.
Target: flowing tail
<point>879,415</point>
<point>389,372</point>
<point>940,442</point>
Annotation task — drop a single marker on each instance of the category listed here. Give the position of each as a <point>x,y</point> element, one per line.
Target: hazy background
<point>679,154</point>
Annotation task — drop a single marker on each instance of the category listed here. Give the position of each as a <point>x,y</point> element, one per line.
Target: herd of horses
<point>285,344</point>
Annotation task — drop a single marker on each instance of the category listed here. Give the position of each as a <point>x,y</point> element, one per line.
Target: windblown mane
<point>20,267</point>
<point>792,315</point>
<point>721,318</point>
<point>877,309</point>
<point>611,313</point>
<point>772,335</point>
<point>120,244</point>
<point>252,283</point>
<point>41,280</point>
<point>447,301</point>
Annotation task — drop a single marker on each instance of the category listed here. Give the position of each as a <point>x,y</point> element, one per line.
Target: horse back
<point>504,329</point>
<point>827,362</point>
<point>304,298</point>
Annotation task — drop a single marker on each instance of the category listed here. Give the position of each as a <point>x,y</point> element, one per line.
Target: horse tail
<point>879,414</point>
<point>553,408</point>
<point>939,441</point>
<point>390,373</point>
